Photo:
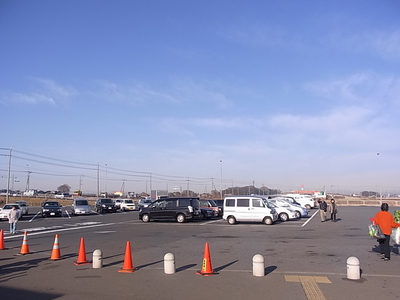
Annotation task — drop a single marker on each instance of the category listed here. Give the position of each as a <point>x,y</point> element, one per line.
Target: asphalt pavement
<point>304,259</point>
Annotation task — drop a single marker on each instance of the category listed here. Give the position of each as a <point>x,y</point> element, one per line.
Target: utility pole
<point>28,179</point>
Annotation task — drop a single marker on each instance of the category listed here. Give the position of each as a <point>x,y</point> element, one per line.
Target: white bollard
<point>169,263</point>
<point>258,265</point>
<point>353,268</point>
<point>97,259</point>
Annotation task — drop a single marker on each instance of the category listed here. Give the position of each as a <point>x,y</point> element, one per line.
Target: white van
<point>248,209</point>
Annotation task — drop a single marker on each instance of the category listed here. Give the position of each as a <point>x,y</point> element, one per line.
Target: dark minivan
<point>179,209</point>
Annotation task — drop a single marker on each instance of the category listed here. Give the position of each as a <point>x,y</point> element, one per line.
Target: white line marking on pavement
<point>305,223</point>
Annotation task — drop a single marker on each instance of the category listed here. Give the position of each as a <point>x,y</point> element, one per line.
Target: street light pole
<point>380,187</point>
<point>8,178</point>
<point>221,179</point>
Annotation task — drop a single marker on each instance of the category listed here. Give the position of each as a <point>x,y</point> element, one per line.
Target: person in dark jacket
<point>322,209</point>
<point>332,208</point>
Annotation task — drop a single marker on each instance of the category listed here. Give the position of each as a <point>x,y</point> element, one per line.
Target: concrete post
<point>258,265</point>
<point>97,259</point>
<point>169,263</point>
<point>353,268</point>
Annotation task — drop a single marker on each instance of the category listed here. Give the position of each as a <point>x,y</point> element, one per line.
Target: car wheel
<point>231,220</point>
<point>283,217</point>
<point>180,218</point>
<point>145,218</point>
<point>308,206</point>
<point>267,221</point>
<point>297,214</point>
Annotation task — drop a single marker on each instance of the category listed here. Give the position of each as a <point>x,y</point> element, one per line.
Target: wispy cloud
<point>132,93</point>
<point>255,35</point>
<point>358,88</point>
<point>45,91</point>
<point>385,44</point>
<point>178,92</point>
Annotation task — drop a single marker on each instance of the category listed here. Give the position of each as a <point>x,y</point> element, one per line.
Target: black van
<point>179,209</point>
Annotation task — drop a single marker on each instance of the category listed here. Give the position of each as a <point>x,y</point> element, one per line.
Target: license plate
<point>52,214</point>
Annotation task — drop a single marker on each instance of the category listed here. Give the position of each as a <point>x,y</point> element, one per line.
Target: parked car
<point>117,203</point>
<point>179,209</point>
<point>127,204</point>
<point>285,212</point>
<point>105,205</point>
<point>144,203</point>
<point>251,208</point>
<point>6,210</point>
<point>300,210</point>
<point>205,213</point>
<point>51,208</point>
<point>24,206</point>
<point>210,204</point>
<point>304,200</point>
<point>81,207</point>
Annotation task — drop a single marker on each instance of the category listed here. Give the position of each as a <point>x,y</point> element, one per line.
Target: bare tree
<point>65,188</point>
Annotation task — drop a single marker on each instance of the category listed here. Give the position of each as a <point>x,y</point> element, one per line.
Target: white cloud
<point>46,91</point>
<point>385,44</point>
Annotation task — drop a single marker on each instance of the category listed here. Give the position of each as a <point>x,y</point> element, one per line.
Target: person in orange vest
<point>385,220</point>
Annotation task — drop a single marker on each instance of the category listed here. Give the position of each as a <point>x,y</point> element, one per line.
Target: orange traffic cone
<point>128,265</point>
<point>2,247</point>
<point>206,268</point>
<point>25,247</point>
<point>82,254</point>
<point>56,254</point>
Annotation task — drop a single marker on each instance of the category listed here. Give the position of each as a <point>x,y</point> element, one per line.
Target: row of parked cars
<point>253,208</point>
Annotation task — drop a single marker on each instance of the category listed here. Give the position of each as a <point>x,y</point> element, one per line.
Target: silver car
<point>287,202</point>
<point>24,206</point>
<point>81,207</point>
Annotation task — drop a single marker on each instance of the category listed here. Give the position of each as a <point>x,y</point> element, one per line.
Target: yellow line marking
<point>310,285</point>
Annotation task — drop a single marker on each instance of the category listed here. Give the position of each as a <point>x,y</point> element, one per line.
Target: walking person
<point>13,217</point>
<point>333,210</point>
<point>385,220</point>
<point>322,209</point>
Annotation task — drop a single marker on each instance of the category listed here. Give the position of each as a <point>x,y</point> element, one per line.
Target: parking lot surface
<point>304,259</point>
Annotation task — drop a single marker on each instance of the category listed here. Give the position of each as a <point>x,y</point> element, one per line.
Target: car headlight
<point>45,209</point>
<point>103,205</point>
<point>59,209</point>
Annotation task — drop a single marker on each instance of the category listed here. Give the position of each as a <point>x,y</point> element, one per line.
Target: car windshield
<point>146,201</point>
<point>8,206</point>
<point>51,204</point>
<point>81,202</point>
<point>128,201</point>
<point>106,201</point>
<point>268,204</point>
<point>212,202</point>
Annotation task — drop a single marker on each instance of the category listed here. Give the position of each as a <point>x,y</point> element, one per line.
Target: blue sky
<point>163,94</point>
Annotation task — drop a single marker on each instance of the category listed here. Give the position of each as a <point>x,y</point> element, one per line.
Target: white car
<point>7,208</point>
<point>286,202</point>
<point>117,203</point>
<point>284,212</point>
<point>304,200</point>
<point>127,204</point>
